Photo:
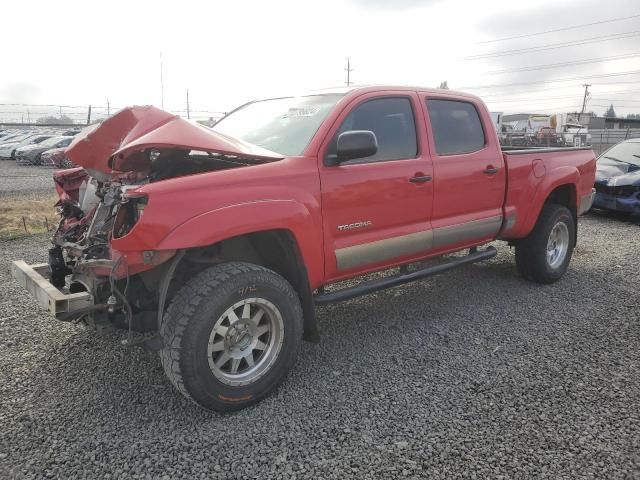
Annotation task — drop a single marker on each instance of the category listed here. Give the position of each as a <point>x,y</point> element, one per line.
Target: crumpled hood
<point>113,144</point>
<point>617,173</point>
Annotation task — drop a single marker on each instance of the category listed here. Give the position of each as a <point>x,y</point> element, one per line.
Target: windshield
<point>282,125</point>
<point>626,152</point>
<point>50,142</point>
<point>36,140</point>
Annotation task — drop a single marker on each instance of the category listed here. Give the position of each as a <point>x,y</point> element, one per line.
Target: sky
<point>228,52</point>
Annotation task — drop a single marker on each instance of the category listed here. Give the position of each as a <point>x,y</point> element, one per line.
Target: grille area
<point>622,191</point>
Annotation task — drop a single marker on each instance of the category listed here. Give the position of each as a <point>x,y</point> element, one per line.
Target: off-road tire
<point>531,252</point>
<point>191,316</point>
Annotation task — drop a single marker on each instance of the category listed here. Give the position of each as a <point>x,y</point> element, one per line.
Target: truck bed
<point>533,172</point>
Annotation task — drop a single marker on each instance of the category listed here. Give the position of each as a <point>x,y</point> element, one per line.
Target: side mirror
<point>355,144</point>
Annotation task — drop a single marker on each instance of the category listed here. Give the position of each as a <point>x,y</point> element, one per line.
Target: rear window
<point>456,127</point>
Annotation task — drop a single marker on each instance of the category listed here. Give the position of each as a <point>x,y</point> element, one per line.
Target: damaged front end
<point>87,277</point>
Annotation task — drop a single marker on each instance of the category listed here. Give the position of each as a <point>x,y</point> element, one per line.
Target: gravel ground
<point>475,374</point>
<point>16,179</point>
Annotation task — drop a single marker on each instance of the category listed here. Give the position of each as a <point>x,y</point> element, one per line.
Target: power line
<point>582,77</point>
<point>565,64</point>
<point>572,27</point>
<point>554,100</point>
<point>543,91</point>
<point>553,46</point>
<point>617,100</point>
<point>45,105</point>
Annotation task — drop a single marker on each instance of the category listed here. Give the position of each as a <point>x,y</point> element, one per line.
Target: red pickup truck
<point>223,240</point>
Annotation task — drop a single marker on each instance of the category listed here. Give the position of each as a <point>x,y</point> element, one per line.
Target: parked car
<point>4,134</point>
<point>8,150</point>
<point>225,254</point>
<point>14,137</point>
<point>618,178</point>
<point>56,157</point>
<point>71,133</point>
<point>30,154</point>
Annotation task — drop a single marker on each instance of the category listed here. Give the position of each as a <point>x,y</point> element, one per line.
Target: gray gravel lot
<point>17,179</point>
<point>475,374</point>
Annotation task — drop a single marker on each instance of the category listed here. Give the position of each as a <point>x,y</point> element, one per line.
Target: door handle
<point>420,179</point>
<point>490,170</point>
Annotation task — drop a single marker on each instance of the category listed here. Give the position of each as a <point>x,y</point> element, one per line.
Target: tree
<point>610,113</point>
<point>62,119</point>
<point>444,85</point>
<point>633,116</point>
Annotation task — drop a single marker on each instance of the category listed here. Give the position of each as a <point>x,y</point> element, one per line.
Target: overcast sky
<point>227,52</point>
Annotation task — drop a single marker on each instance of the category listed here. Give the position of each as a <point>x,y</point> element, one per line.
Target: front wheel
<point>544,255</point>
<point>231,335</point>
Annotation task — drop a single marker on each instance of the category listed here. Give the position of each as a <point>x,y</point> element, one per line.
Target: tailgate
<point>35,278</point>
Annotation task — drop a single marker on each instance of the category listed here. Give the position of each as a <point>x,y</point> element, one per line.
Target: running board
<point>394,281</point>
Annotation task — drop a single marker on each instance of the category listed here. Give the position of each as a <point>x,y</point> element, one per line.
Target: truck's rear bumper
<point>35,278</point>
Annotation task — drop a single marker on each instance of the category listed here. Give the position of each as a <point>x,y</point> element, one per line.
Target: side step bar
<point>394,281</point>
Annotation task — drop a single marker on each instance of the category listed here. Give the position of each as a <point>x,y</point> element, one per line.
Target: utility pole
<point>188,113</point>
<point>108,107</point>
<point>161,84</point>
<point>348,70</point>
<point>89,115</point>
<point>586,95</point>
<point>28,116</point>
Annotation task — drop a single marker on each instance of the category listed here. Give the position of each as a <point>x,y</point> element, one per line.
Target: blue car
<point>618,178</point>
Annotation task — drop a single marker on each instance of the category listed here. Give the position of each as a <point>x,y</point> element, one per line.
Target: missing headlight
<point>129,213</point>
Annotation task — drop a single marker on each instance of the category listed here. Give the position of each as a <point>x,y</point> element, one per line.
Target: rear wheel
<point>231,335</point>
<point>544,255</point>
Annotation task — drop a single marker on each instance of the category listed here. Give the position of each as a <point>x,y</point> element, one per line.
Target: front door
<point>376,210</point>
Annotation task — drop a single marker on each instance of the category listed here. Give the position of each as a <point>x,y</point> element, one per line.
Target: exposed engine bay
<point>94,211</point>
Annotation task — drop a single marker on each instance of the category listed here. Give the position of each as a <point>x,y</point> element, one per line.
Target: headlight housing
<point>129,213</point>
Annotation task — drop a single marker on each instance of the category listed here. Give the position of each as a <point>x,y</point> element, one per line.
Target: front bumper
<point>59,302</point>
<point>22,160</point>
<point>617,203</point>
<point>46,161</point>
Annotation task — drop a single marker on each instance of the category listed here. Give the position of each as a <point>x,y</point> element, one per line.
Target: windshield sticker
<point>301,112</point>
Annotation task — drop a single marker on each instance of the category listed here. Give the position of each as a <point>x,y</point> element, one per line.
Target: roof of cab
<point>357,90</point>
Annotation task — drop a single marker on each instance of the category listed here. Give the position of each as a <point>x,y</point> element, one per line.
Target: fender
<point>234,220</point>
<point>567,175</point>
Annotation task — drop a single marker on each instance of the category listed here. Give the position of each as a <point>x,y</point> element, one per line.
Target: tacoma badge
<point>351,226</point>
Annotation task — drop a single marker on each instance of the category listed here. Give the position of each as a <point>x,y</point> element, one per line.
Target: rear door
<point>376,210</point>
<point>468,170</point>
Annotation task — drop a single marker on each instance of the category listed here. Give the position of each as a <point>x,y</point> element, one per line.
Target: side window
<point>392,121</point>
<point>456,127</point>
